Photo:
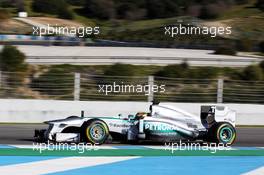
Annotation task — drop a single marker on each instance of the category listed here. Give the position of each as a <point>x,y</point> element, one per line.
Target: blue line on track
<point>247,148</point>
<point>6,146</point>
<point>130,147</point>
<point>174,165</point>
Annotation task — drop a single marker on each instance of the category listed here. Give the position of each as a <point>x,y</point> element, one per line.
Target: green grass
<point>249,126</point>
<point>31,13</point>
<point>260,54</point>
<point>82,19</point>
<point>140,70</point>
<point>246,21</point>
<point>12,11</point>
<point>29,9</point>
<point>153,23</point>
<point>242,11</point>
<point>128,152</point>
<point>249,23</point>
<point>77,17</point>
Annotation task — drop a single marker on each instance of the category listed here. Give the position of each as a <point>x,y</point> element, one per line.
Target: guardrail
<point>37,111</point>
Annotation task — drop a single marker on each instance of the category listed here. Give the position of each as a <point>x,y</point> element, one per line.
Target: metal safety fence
<point>82,86</point>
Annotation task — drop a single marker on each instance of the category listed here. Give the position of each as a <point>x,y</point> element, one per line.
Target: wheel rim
<point>226,134</point>
<point>97,132</point>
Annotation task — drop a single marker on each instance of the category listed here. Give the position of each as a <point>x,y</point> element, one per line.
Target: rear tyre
<point>222,133</point>
<point>96,132</point>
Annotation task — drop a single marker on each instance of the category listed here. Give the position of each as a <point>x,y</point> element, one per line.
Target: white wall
<point>37,111</point>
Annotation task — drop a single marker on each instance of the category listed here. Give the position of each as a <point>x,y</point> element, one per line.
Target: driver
<point>141,115</point>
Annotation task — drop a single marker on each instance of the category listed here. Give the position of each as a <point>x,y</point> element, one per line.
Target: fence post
<point>150,83</point>
<point>220,89</point>
<point>0,79</point>
<point>77,86</point>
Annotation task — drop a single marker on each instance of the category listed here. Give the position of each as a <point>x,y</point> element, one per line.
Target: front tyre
<point>96,132</point>
<point>222,133</point>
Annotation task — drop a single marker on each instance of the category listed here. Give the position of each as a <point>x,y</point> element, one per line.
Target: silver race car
<point>161,124</point>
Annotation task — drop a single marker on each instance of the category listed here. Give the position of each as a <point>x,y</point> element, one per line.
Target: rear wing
<point>212,114</point>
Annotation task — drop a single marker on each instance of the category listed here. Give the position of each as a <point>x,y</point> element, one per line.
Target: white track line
<point>155,147</point>
<point>113,147</point>
<point>258,171</point>
<point>31,146</point>
<point>175,147</point>
<point>57,165</point>
<point>22,146</point>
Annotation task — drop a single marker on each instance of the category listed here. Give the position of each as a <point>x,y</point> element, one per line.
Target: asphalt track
<point>22,134</point>
<point>131,55</point>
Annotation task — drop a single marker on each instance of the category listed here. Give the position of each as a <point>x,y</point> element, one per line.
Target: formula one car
<point>162,124</point>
